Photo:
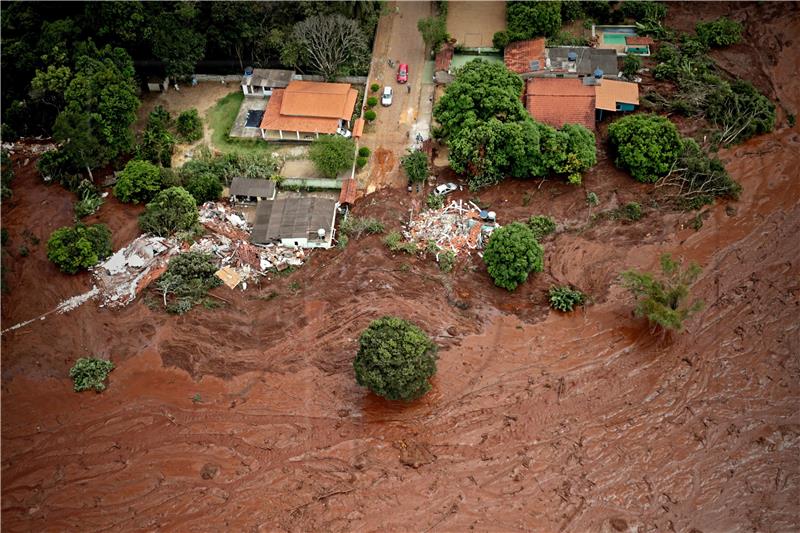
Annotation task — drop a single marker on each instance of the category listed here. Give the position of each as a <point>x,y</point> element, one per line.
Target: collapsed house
<point>459,227</point>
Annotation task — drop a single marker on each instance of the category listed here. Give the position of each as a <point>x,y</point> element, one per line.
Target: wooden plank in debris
<point>228,276</point>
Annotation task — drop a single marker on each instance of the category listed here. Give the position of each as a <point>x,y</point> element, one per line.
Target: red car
<point>402,73</point>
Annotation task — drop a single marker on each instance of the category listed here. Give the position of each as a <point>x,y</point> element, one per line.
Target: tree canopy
<point>327,43</point>
<point>415,163</point>
<point>395,359</point>
<point>512,253</point>
<point>527,20</point>
<point>138,182</point>
<point>79,247</point>
<point>332,154</point>
<point>647,145</point>
<point>171,210</point>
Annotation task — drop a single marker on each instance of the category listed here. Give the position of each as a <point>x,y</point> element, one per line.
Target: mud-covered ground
<point>537,421</point>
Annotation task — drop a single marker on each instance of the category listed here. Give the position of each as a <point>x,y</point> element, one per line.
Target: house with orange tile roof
<point>523,57</point>
<point>559,101</point>
<point>305,109</point>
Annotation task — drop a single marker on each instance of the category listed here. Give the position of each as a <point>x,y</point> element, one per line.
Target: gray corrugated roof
<point>588,59</point>
<point>270,77</point>
<point>292,218</point>
<point>260,188</point>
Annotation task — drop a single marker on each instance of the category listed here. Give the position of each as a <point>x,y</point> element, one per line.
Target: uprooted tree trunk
<point>327,43</point>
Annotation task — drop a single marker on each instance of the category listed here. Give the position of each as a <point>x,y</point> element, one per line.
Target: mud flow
<point>248,418</point>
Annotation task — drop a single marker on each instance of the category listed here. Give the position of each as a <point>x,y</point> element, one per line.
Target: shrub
<point>395,359</point>
<point>189,126</point>
<point>138,182</point>
<point>172,210</point>
<point>564,298</point>
<point>664,300</point>
<point>564,38</point>
<point>7,174</point>
<point>643,10</point>
<point>591,199</point>
<point>415,163</point>
<point>394,241</point>
<point>87,205</point>
<point>631,66</point>
<point>501,39</point>
<point>157,143</point>
<point>433,31</point>
<point>79,247</point>
<point>434,201</point>
<point>90,373</point>
<point>372,101</point>
<point>332,154</point>
<point>186,282</point>
<point>631,211</point>
<point>511,254</point>
<point>447,260</point>
<point>353,226</point>
<point>361,161</point>
<point>647,145</point>
<point>203,187</point>
<point>363,151</point>
<point>719,33</point>
<point>541,226</point>
<point>374,87</point>
<point>370,115</point>
<point>571,10</point>
<point>740,112</point>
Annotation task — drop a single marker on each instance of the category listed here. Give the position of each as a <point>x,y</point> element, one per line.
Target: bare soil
<point>473,24</point>
<point>248,417</point>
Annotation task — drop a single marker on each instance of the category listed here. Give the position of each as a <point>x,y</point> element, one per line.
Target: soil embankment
<point>248,418</point>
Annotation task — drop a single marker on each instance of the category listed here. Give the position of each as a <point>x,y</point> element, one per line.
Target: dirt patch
<point>536,420</point>
<point>473,24</point>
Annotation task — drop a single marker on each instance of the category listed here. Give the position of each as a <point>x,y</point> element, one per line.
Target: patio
<point>249,118</point>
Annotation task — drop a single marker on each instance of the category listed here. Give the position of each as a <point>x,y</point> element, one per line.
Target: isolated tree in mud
<point>138,182</point>
<point>80,247</point>
<point>647,145</point>
<point>395,359</point>
<point>664,300</point>
<point>512,253</point>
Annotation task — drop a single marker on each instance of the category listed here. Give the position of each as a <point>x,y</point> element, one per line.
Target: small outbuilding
<point>252,190</point>
<point>304,222</point>
<point>262,81</point>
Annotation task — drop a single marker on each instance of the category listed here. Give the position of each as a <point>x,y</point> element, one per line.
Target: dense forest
<point>73,67</point>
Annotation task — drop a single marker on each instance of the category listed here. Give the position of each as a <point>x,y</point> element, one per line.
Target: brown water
<point>537,421</point>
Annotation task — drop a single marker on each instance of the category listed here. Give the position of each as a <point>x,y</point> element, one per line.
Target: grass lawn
<point>220,119</point>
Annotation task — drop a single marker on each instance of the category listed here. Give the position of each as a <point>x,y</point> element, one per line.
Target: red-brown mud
<point>537,421</point>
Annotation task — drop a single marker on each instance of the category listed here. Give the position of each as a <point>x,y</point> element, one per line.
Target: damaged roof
<point>260,188</point>
<point>293,218</point>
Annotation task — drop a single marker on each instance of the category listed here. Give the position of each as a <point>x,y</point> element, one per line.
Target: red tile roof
<point>636,40</point>
<point>559,101</point>
<point>273,120</point>
<point>444,57</point>
<point>358,128</point>
<point>348,194</point>
<point>518,55</point>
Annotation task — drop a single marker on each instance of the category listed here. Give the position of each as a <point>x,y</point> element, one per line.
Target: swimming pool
<point>630,30</point>
<point>614,38</point>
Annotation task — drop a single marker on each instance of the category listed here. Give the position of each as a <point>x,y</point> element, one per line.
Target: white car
<point>344,132</point>
<point>386,97</point>
<point>444,189</point>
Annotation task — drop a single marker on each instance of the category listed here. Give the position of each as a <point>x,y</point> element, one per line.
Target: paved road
<point>398,39</point>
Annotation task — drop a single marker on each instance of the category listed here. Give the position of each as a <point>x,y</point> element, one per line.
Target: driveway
<point>398,39</point>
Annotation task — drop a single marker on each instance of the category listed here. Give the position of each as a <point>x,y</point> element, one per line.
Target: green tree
<point>172,210</point>
<point>204,187</point>
<point>415,163</point>
<point>740,111</point>
<point>90,373</point>
<point>138,182</point>
<point>481,91</point>
<point>647,145</point>
<point>719,33</point>
<point>664,300</point>
<point>579,152</point>
<point>512,253</point>
<point>79,247</point>
<point>121,23</point>
<point>176,40</point>
<point>80,140</point>
<point>533,19</point>
<point>188,279</point>
<point>643,10</point>
<point>189,126</point>
<point>395,359</point>
<point>332,154</point>
<point>631,66</point>
<point>541,226</point>
<point>433,31</point>
<point>564,298</point>
<point>157,143</point>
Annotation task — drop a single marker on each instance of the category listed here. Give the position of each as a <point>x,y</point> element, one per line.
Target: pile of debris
<point>459,227</point>
<point>221,219</point>
<point>240,261</point>
<point>126,273</point>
